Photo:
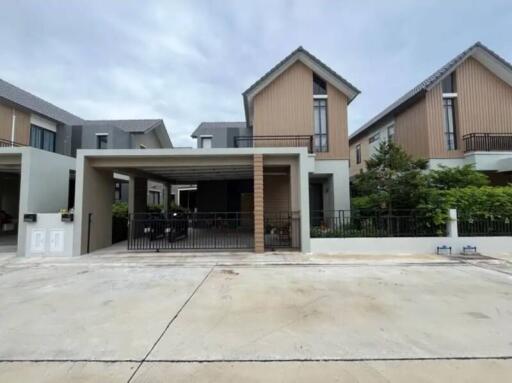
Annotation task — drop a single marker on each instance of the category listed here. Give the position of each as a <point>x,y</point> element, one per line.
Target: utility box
<point>49,236</point>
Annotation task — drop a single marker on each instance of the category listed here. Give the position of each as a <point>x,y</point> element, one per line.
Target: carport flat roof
<point>216,152</point>
<point>185,165</point>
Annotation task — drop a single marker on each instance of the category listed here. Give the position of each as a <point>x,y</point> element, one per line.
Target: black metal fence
<point>296,141</point>
<point>9,144</point>
<point>487,142</point>
<point>374,223</point>
<point>191,231</point>
<point>282,230</point>
<point>483,226</point>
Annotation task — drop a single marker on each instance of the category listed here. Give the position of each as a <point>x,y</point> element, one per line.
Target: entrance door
<point>316,203</point>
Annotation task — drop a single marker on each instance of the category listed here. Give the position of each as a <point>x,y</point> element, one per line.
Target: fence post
<point>451,226</point>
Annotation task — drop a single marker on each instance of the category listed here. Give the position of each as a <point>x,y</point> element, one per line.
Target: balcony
<point>300,141</point>
<point>9,144</point>
<point>487,142</point>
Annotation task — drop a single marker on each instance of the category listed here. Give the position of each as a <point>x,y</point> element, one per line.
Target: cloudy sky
<point>189,61</point>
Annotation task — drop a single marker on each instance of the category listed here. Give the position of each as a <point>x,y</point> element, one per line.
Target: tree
<point>445,178</point>
<point>393,180</point>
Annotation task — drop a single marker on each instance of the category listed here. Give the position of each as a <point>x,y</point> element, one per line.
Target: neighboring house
<point>219,134</point>
<point>462,114</point>
<point>257,181</point>
<point>27,120</point>
<point>38,141</point>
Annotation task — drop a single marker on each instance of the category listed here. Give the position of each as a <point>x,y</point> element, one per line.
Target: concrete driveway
<point>152,319</point>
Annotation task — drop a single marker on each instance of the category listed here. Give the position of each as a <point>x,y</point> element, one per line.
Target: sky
<point>189,61</point>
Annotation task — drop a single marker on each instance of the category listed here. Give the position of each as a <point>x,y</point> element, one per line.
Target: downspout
<point>13,127</point>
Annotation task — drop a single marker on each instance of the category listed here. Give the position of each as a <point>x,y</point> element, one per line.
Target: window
<point>375,137</point>
<point>118,191</point>
<point>391,133</point>
<point>101,141</point>
<point>320,116</point>
<point>154,197</point>
<point>358,153</point>
<point>206,142</point>
<point>42,138</point>
<point>449,123</point>
<point>319,86</point>
<point>448,83</point>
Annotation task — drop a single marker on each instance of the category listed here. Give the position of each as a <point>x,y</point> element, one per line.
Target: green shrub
<point>120,209</point>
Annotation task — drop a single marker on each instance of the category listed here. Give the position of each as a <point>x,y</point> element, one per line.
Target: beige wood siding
<point>5,122</point>
<point>276,192</point>
<point>22,132</point>
<point>483,105</point>
<point>285,107</point>
<point>411,130</point>
<point>337,126</point>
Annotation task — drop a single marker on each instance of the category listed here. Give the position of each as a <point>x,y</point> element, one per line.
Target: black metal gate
<point>191,231</point>
<point>282,230</point>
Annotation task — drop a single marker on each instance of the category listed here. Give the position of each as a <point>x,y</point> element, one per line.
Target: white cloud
<point>189,61</point>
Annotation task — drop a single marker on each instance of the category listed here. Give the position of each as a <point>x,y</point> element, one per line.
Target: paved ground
<point>275,318</point>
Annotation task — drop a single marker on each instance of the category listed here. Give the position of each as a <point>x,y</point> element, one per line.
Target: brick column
<point>259,233</point>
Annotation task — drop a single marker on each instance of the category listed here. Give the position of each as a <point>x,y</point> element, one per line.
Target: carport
<point>32,181</point>
<point>10,174</point>
<point>247,199</point>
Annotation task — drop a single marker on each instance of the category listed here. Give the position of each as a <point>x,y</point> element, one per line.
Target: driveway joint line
<point>282,360</point>
<point>170,323</point>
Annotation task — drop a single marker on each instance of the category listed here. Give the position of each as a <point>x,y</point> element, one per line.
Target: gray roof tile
<point>219,125</point>
<point>27,100</point>
<point>130,126</point>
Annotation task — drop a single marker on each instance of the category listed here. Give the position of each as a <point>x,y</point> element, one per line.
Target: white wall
<point>49,236</point>
<point>44,185</point>
<point>340,185</point>
<point>409,246</point>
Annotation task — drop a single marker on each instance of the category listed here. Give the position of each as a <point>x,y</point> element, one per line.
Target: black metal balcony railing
<point>274,141</point>
<point>487,142</point>
<point>9,144</point>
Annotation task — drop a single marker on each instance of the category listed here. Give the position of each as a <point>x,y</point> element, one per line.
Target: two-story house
<point>38,143</point>
<point>257,182</point>
<point>461,114</point>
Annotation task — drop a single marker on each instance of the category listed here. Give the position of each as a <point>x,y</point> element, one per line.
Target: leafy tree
<point>393,180</point>
<point>445,178</point>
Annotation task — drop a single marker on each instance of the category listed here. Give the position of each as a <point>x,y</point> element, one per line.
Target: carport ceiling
<point>190,174</point>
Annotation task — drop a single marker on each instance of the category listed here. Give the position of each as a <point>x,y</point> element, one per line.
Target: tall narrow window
<point>320,116</point>
<point>449,98</point>
<point>319,86</point>
<point>358,153</point>
<point>42,138</point>
<point>101,141</point>
<point>391,133</point>
<point>449,123</point>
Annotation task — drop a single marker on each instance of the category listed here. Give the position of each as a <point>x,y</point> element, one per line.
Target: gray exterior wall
<point>149,140</point>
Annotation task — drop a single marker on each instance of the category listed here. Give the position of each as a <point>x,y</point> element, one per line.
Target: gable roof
<point>490,59</point>
<point>218,125</point>
<point>317,66</point>
<point>27,100</point>
<point>130,126</point>
<point>137,127</point>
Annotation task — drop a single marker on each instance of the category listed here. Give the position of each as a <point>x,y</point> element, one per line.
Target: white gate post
<point>452,229</point>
